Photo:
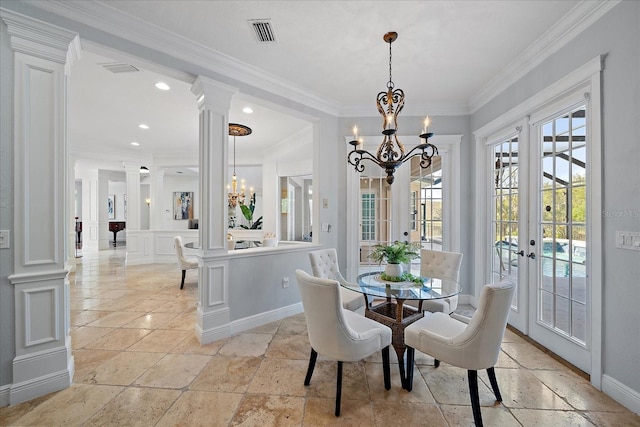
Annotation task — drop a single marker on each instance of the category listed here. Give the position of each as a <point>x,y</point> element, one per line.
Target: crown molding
<point>573,23</point>
<point>100,15</point>
<point>415,109</point>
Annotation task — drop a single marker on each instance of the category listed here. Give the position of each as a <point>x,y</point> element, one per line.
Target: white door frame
<point>587,79</point>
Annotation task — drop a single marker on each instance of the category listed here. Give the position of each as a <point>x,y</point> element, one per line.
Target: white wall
<point>171,184</point>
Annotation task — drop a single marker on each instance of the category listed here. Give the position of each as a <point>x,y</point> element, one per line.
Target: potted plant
<point>395,254</point>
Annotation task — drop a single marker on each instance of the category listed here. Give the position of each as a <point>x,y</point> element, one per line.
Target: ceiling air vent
<point>263,30</point>
<point>118,67</point>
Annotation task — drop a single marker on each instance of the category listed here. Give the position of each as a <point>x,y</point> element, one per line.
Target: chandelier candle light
<point>391,152</point>
<point>235,197</point>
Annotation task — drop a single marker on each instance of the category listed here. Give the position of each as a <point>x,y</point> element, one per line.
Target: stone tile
<point>269,328</point>
<point>353,413</point>
<point>246,344</point>
<point>84,335</point>
<point>294,325</point>
<point>262,410</point>
<point>115,319</point>
<point>150,320</point>
<point>84,317</point>
<point>182,322</point>
<point>88,360</point>
<point>377,392</point>
<point>530,357</point>
<point>191,345</point>
<point>289,347</point>
<point>227,373</point>
<point>201,409</point>
<point>577,391</point>
<point>449,385</point>
<point>9,414</point>
<point>532,417</point>
<point>354,380</point>
<point>174,306</point>
<point>496,416</point>
<point>173,371</point>
<point>71,406</point>
<point>144,305</point>
<point>613,419</point>
<point>280,377</point>
<point>159,341</point>
<point>118,339</point>
<point>521,389</point>
<point>408,414</point>
<point>135,407</point>
<point>122,369</point>
<point>511,336</point>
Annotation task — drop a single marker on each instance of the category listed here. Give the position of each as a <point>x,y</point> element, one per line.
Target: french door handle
<point>532,255</point>
<point>521,253</point>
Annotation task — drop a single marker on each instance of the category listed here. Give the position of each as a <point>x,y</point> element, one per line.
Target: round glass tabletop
<point>371,284</point>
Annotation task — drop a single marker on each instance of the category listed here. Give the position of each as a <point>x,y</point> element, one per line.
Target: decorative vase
<point>393,270</point>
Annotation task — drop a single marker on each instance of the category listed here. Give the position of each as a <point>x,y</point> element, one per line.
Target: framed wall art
<point>111,206</point>
<point>183,205</point>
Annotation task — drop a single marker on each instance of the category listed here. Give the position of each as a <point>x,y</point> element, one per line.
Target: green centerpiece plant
<point>395,254</point>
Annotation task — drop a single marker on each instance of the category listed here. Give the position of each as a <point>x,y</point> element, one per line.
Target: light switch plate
<point>628,240</point>
<point>4,239</point>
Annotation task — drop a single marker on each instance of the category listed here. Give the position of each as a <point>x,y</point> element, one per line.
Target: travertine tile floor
<point>138,364</point>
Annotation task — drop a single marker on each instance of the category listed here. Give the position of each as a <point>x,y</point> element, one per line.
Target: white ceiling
<point>446,54</point>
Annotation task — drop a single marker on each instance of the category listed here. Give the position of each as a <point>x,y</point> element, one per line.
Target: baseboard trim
<point>621,393</point>
<point>260,319</point>
<point>40,386</point>
<point>5,392</point>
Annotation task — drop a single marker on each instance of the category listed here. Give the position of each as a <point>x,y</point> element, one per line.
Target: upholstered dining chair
<point>183,262</point>
<point>439,265</point>
<point>337,333</point>
<point>324,264</point>
<point>471,344</point>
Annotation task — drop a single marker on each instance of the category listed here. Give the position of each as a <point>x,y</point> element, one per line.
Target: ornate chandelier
<point>235,197</point>
<point>391,152</point>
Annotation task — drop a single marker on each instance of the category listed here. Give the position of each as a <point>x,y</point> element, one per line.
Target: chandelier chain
<point>390,84</point>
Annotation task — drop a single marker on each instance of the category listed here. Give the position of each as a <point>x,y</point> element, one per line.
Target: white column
<point>42,56</point>
<point>100,201</point>
<point>212,319</point>
<point>133,196</point>
<point>90,220</point>
<point>156,183</point>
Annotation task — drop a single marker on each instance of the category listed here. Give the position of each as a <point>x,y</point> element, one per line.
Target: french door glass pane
<point>505,210</point>
<point>375,213</point>
<point>426,185</point>
<point>563,256</point>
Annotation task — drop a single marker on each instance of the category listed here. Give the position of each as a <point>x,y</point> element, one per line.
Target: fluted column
<point>214,99</point>
<point>42,55</point>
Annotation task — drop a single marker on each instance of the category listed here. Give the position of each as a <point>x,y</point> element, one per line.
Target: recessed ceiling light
<point>143,126</point>
<point>162,86</point>
<point>178,171</point>
<point>135,143</point>
<point>247,110</point>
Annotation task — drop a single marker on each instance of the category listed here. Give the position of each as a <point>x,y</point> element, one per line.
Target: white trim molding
<point>622,394</point>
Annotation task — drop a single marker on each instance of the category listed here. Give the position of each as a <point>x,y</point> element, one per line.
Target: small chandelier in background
<point>391,152</point>
<point>235,197</point>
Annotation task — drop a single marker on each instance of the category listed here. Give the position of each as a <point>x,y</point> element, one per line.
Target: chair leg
<point>385,368</point>
<point>475,397</point>
<point>436,362</point>
<point>411,354</point>
<point>184,273</point>
<point>494,383</point>
<point>339,389</point>
<point>312,364</point>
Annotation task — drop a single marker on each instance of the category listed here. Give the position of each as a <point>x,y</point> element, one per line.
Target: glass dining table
<point>385,304</point>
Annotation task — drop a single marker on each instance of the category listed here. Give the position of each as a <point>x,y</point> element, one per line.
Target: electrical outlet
<point>285,282</point>
<point>4,239</point>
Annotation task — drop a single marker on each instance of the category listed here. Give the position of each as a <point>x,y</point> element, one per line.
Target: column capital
<point>212,94</point>
<point>37,38</point>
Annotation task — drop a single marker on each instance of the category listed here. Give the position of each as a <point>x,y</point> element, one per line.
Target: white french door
<point>542,213</point>
<point>560,311</point>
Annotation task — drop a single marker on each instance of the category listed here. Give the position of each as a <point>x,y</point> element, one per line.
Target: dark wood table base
<point>396,316</point>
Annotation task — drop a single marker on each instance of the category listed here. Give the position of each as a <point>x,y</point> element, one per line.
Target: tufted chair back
<point>324,264</point>
<point>440,265</point>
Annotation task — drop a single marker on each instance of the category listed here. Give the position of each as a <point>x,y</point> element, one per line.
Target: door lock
<point>532,255</point>
<point>521,253</point>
